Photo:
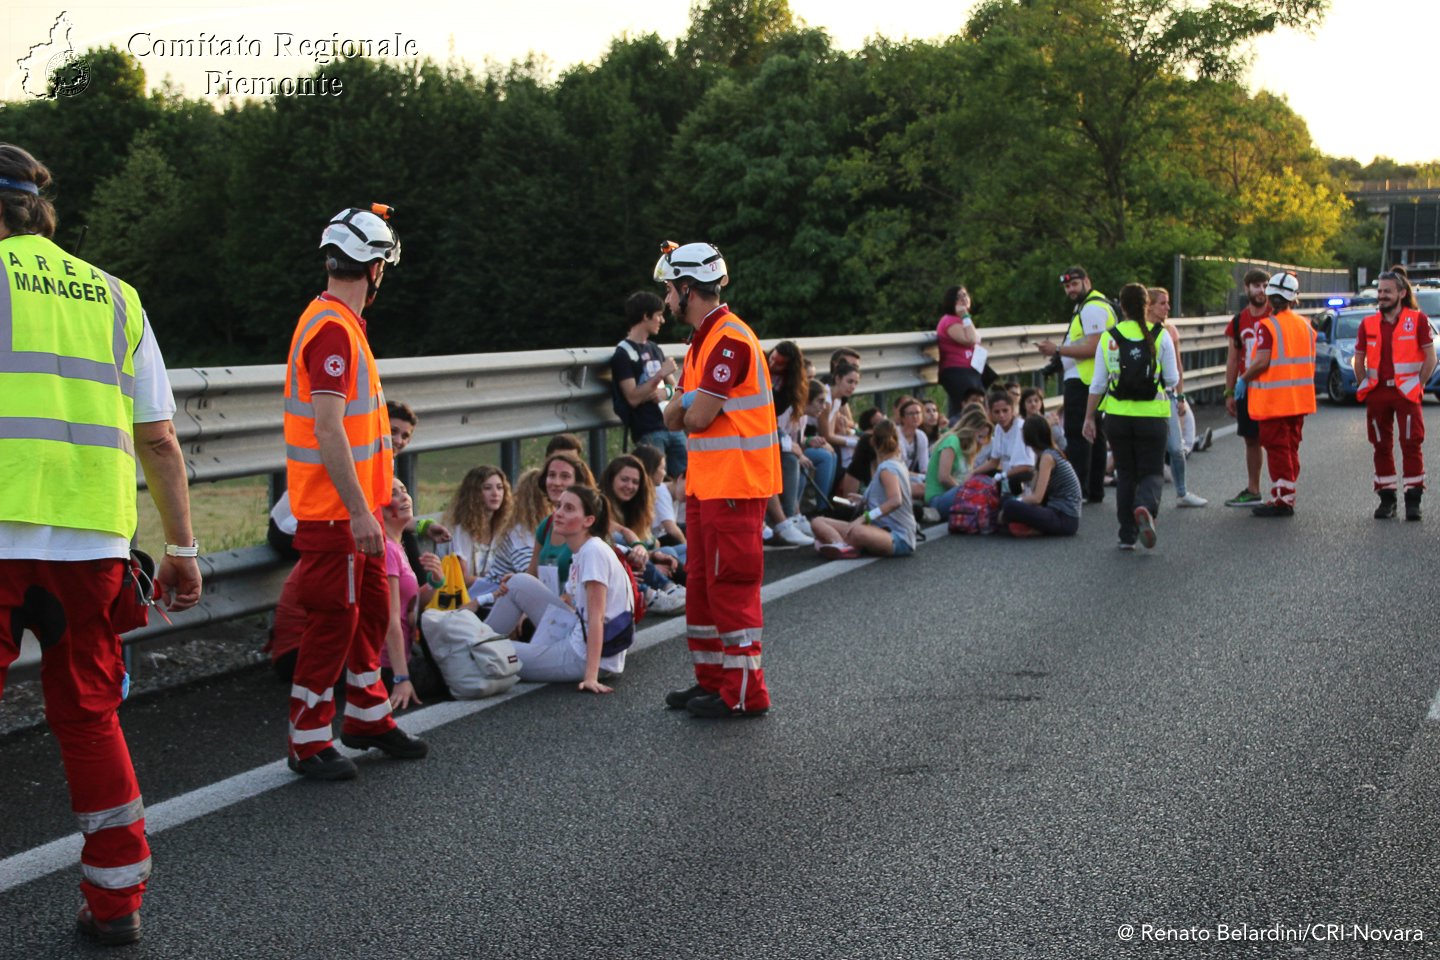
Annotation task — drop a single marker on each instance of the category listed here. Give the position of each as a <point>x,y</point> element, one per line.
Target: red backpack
<point>636,594</point>
<point>977,506</point>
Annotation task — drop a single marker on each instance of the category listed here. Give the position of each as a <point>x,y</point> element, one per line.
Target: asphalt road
<point>996,748</point>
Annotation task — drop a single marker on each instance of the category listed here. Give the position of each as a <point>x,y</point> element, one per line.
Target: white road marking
<point>37,862</point>
<point>1434,713</point>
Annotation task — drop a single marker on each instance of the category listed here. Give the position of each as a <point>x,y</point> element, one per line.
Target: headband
<point>24,186</point>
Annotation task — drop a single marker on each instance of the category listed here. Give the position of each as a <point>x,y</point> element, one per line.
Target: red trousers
<point>1280,436</point>
<point>346,599</point>
<point>67,606</point>
<point>724,568</point>
<point>1385,407</point>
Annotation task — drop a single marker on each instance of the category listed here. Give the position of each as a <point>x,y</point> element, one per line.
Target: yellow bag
<point>451,595</point>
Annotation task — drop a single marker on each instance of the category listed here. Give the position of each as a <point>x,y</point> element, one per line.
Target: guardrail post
<point>405,471</point>
<point>598,451</point>
<point>278,485</point>
<point>510,459</point>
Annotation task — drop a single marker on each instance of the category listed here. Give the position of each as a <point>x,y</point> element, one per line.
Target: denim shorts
<point>903,547</point>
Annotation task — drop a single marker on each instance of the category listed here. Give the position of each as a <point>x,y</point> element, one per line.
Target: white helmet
<point>363,235</point>
<point>1285,286</point>
<point>699,261</point>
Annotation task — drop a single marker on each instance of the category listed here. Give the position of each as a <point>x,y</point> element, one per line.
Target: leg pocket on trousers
<point>737,553</point>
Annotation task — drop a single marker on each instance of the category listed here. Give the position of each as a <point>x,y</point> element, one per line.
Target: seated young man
<point>1006,453</point>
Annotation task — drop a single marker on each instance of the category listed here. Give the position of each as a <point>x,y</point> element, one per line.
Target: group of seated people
<point>874,477</point>
<point>522,549</point>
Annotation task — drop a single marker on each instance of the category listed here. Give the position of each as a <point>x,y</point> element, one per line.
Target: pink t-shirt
<point>952,354</point>
<point>397,565</point>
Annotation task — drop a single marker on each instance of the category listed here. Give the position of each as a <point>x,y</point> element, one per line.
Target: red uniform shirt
<point>327,355</point>
<point>729,361</point>
<point>1424,336</point>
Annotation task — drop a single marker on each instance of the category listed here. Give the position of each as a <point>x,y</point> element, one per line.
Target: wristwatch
<point>171,550</point>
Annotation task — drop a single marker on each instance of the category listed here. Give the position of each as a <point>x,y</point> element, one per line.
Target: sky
<point>1334,78</point>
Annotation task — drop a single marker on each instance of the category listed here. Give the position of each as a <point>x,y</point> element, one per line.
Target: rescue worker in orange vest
<point>339,464</point>
<point>83,397</point>
<point>1281,389</point>
<point>734,467</point>
<point>1394,357</point>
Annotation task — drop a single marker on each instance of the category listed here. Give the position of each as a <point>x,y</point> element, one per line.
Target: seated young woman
<point>664,529</point>
<point>572,646</point>
<point>1006,453</point>
<point>951,457</point>
<point>1032,402</point>
<point>484,534</point>
<point>887,527</point>
<point>1052,504</point>
<point>631,498</point>
<point>562,470</point>
<point>406,596</point>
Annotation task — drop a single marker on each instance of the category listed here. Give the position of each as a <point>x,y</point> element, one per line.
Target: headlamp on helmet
<point>700,262</point>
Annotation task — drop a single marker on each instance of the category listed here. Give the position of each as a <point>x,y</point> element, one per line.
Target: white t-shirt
<point>154,401</point>
<point>1008,446</point>
<point>664,509</point>
<point>1093,319</point>
<point>596,561</point>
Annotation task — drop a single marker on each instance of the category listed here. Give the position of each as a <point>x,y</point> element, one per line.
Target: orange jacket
<point>367,423</point>
<point>737,457</point>
<point>1287,387</point>
<point>1405,352</point>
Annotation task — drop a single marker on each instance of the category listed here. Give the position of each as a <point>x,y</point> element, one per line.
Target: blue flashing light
<point>1335,302</point>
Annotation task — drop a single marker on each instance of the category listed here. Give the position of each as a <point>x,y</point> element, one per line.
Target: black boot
<point>1412,503</point>
<point>1386,510</point>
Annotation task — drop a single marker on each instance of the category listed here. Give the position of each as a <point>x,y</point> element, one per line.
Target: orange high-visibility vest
<point>367,423</point>
<point>1405,351</point>
<point>737,457</point>
<point>1287,387</point>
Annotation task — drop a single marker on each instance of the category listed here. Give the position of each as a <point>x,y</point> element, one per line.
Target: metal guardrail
<point>230,423</point>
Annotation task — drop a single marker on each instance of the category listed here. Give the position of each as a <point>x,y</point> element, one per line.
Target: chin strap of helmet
<point>371,287</point>
<point>683,298</point>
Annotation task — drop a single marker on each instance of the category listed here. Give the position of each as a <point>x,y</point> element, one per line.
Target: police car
<point>1337,329</point>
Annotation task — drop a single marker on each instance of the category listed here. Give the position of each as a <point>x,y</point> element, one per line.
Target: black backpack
<point>1137,379</point>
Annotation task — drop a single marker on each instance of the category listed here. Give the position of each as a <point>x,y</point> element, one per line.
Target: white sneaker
<point>790,532</point>
<point>665,604</point>
<point>1192,500</point>
<point>675,590</point>
<point>766,534</point>
<point>804,522</point>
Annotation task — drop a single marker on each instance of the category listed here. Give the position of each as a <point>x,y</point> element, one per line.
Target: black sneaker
<point>712,707</point>
<point>1273,510</point>
<point>109,933</point>
<point>328,764</point>
<point>1244,499</point>
<point>396,742</point>
<point>677,699</point>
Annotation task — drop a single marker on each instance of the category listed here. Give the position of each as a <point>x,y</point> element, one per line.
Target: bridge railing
<point>230,423</point>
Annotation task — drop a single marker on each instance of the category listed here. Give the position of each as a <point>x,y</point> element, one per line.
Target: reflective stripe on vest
<point>1287,387</point>
<point>68,334</point>
<point>367,423</point>
<point>1076,333</point>
<point>1405,351</point>
<point>1158,407</point>
<point>738,455</point>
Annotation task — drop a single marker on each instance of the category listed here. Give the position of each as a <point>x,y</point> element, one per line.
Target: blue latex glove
<point>1241,387</point>
<point>688,398</point>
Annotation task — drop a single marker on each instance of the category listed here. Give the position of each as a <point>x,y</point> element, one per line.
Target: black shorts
<point>1244,426</point>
